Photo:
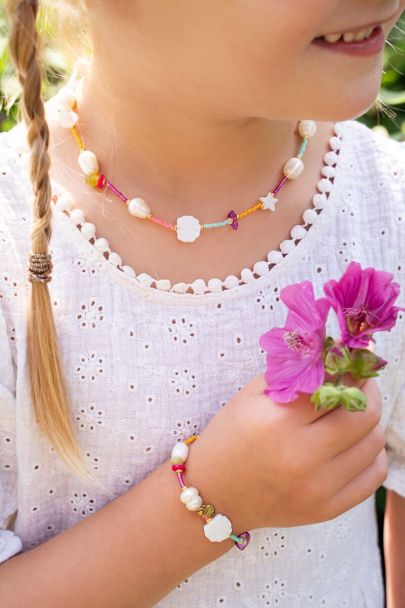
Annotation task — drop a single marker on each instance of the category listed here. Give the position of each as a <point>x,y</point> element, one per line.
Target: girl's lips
<point>363,48</point>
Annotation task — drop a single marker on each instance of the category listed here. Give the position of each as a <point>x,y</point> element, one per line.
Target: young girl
<point>134,334</point>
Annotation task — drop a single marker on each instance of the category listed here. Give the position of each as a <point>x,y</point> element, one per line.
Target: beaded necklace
<point>187,227</point>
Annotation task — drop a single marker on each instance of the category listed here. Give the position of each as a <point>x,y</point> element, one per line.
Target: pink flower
<point>363,301</point>
<point>294,352</point>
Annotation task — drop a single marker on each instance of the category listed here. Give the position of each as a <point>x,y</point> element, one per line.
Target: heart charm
<point>244,542</point>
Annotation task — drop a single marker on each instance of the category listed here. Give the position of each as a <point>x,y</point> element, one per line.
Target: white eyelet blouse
<point>117,327</point>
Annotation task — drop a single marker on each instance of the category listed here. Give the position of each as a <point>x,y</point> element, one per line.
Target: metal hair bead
<point>40,266</point>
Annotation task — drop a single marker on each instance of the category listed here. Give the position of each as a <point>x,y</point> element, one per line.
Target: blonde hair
<point>48,389</point>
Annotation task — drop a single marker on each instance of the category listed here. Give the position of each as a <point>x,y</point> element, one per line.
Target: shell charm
<point>269,201</point>
<point>218,529</point>
<point>188,228</point>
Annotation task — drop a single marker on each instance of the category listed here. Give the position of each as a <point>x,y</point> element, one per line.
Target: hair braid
<point>47,386</point>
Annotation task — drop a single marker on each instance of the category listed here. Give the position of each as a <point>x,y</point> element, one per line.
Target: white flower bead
<point>188,228</point>
<point>88,162</point>
<point>180,287</point>
<point>194,504</point>
<point>66,118</point>
<point>63,203</point>
<point>218,529</point>
<point>199,286</point>
<point>330,158</point>
<point>129,271</point>
<point>179,453</point>
<point>145,279</point>
<point>319,201</point>
<point>188,493</point>
<point>335,143</point>
<point>293,168</point>
<point>310,216</point>
<point>66,97</point>
<point>214,285</point>
<point>102,244</point>
<point>298,232</point>
<point>115,259</point>
<point>287,245</point>
<point>274,256</point>
<point>77,216</point>
<point>163,284</point>
<point>328,171</point>
<point>261,268</point>
<point>247,275</point>
<point>89,230</point>
<point>138,207</point>
<point>231,281</point>
<point>307,128</point>
<point>325,185</point>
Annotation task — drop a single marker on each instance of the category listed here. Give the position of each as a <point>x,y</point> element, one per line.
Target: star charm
<point>269,201</point>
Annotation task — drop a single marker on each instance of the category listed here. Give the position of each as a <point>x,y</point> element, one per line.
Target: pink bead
<point>178,467</point>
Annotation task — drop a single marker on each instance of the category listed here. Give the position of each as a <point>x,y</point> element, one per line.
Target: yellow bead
<point>92,179</point>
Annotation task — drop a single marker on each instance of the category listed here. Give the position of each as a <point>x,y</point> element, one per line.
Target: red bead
<point>100,182</point>
<point>178,467</point>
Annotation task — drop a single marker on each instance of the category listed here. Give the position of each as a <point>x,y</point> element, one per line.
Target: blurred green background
<point>386,114</point>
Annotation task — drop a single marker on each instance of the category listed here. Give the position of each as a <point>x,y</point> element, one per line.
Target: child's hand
<point>264,464</point>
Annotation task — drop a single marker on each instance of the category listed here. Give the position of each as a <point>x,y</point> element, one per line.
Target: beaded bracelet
<point>218,527</point>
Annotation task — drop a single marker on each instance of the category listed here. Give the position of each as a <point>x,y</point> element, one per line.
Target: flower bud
<point>353,399</point>
<point>336,359</point>
<point>365,364</point>
<point>326,396</point>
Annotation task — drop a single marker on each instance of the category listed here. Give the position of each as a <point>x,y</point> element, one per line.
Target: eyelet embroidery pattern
<point>64,203</point>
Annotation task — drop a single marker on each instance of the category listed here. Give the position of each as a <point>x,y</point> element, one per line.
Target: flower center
<point>358,320</point>
<point>299,343</point>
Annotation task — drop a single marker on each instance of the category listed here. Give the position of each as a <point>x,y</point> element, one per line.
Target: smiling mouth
<point>348,37</point>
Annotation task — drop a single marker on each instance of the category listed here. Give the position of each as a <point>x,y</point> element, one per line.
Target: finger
<point>362,486</point>
<point>346,465</point>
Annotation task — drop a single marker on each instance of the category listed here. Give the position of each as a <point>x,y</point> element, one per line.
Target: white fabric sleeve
<point>10,543</point>
<point>395,436</point>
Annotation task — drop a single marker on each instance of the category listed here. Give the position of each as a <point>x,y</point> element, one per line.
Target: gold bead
<point>92,179</point>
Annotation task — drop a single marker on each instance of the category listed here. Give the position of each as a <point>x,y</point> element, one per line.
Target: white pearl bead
<point>88,162</point>
<point>63,203</point>
<point>188,493</point>
<point>129,271</point>
<point>330,158</point>
<point>293,168</point>
<point>287,245</point>
<point>194,504</point>
<point>163,284</point>
<point>310,216</point>
<point>179,453</point>
<point>76,216</point>
<point>214,285</point>
<point>274,256</point>
<point>247,275</point>
<point>66,97</point>
<point>307,128</point>
<point>188,228</point>
<point>231,281</point>
<point>101,244</point>
<point>199,286</point>
<point>180,287</point>
<point>261,268</point>
<point>298,233</point>
<point>138,207</point>
<point>89,230</point>
<point>66,118</point>
<point>218,529</point>
<point>145,279</point>
<point>115,259</point>
<point>319,201</point>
